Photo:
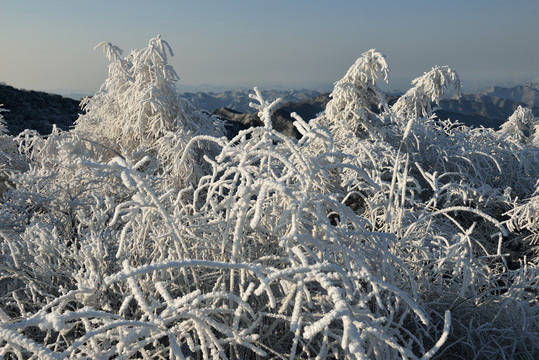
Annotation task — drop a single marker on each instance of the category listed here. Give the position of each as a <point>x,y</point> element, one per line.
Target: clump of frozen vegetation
<point>10,159</point>
<point>381,233</point>
<point>138,112</point>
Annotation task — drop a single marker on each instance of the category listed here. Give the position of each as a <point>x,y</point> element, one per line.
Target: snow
<point>381,233</point>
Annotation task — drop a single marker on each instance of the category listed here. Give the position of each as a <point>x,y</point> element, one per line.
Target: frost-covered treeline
<point>381,233</point>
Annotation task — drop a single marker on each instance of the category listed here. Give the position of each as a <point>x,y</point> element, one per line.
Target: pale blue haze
<point>47,45</point>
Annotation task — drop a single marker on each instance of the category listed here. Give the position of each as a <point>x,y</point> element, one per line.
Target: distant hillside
<point>239,99</point>
<point>470,109</point>
<point>491,107</point>
<point>469,120</point>
<point>281,119</point>
<point>37,110</point>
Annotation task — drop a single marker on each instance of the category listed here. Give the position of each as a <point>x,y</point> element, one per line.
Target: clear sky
<point>48,44</point>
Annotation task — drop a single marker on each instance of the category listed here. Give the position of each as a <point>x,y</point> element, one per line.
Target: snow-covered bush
<point>138,109</point>
<point>381,233</point>
<point>429,88</point>
<point>522,125</point>
<point>443,187</point>
<point>355,98</point>
<point>252,233</point>
<point>3,125</point>
<point>11,160</point>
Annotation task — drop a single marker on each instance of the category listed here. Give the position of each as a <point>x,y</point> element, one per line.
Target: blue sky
<point>47,45</point>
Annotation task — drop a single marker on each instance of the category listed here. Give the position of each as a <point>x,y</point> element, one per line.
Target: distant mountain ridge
<point>495,104</point>
<point>281,118</point>
<point>39,110</point>
<point>496,109</point>
<point>489,108</point>
<point>527,94</point>
<point>239,99</point>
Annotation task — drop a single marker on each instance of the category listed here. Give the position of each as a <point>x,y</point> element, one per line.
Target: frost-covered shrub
<point>524,220</point>
<point>429,88</point>
<point>522,125</point>
<point>379,234</point>
<point>261,231</point>
<point>11,160</point>
<point>3,125</point>
<point>46,214</point>
<point>355,98</point>
<point>443,189</point>
<point>138,109</point>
